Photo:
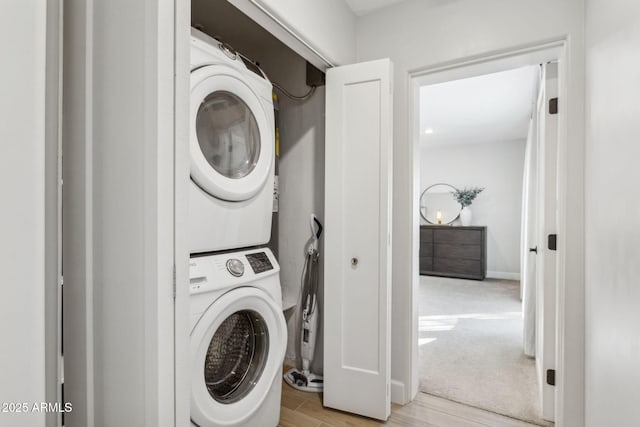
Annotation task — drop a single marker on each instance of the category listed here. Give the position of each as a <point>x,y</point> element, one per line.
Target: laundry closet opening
<point>299,148</point>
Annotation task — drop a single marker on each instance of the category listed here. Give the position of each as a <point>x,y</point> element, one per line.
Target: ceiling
<point>489,108</point>
<point>362,7</point>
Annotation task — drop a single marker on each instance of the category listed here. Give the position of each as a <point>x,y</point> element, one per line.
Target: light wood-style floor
<point>300,409</point>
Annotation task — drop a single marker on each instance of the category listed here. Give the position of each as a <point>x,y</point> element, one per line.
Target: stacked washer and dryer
<point>238,331</point>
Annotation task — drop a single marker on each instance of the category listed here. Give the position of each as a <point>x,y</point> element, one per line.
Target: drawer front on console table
<point>426,265</point>
<point>426,235</point>
<point>453,251</point>
<point>426,250</point>
<point>458,236</point>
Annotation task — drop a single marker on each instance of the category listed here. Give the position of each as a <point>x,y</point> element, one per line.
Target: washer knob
<point>235,267</point>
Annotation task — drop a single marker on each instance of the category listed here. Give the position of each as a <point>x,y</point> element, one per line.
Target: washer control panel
<point>219,271</point>
<point>235,267</point>
<point>259,262</point>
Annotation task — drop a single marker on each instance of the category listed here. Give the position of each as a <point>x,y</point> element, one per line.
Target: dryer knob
<point>235,267</point>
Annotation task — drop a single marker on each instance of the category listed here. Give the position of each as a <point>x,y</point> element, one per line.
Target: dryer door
<point>231,141</point>
<point>237,349</point>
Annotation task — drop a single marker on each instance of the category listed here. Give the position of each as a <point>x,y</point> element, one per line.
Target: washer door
<point>231,142</point>
<point>237,349</point>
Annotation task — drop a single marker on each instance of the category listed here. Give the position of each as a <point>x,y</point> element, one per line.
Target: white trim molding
<point>398,392</point>
<point>503,275</point>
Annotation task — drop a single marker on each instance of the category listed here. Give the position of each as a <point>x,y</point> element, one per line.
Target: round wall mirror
<point>438,206</point>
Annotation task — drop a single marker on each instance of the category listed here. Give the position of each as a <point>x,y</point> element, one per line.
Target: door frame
<point>102,56</point>
<point>554,50</point>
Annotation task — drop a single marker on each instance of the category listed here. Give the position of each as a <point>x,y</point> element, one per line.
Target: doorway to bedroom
<point>484,161</point>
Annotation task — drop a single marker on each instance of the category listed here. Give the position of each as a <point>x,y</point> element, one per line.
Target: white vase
<point>465,216</point>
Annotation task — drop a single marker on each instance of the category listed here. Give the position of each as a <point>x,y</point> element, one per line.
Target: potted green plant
<point>465,197</point>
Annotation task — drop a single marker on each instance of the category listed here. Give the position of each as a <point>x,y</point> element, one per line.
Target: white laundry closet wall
<point>301,193</point>
<point>301,161</point>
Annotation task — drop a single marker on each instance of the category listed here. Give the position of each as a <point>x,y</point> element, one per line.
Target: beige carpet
<point>471,346</point>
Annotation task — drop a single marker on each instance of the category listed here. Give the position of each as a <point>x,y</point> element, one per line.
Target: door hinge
<point>174,281</point>
<point>551,377</point>
<point>552,242</point>
<point>553,106</point>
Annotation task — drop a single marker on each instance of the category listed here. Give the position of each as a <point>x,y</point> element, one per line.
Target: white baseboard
<point>502,275</point>
<point>397,393</point>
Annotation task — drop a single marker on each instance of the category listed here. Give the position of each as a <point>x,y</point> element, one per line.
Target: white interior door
<point>546,261</point>
<point>530,233</point>
<point>357,269</point>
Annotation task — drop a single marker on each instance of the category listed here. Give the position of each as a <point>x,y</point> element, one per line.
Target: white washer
<point>238,339</point>
<point>232,149</point>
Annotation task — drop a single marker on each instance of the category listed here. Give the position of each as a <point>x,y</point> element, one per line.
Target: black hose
<point>294,97</point>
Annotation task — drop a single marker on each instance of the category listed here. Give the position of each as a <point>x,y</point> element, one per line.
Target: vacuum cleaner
<point>303,379</point>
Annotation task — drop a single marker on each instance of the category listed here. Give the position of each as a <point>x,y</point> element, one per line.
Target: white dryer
<point>232,149</point>
<point>238,339</point>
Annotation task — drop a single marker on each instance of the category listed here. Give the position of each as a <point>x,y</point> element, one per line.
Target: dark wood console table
<point>453,251</point>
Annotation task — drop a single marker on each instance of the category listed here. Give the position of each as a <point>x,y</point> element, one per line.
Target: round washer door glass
<point>228,134</point>
<point>237,349</point>
<point>236,356</point>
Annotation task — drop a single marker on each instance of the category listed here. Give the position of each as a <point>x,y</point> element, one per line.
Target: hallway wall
<point>23,251</point>
<point>612,213</point>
